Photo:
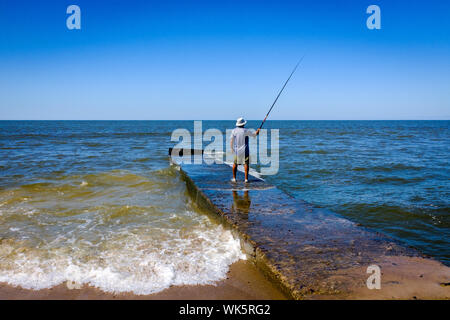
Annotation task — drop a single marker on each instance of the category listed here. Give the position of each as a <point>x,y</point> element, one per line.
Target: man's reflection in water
<point>241,204</point>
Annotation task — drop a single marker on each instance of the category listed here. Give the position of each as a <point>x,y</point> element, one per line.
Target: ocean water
<point>96,202</point>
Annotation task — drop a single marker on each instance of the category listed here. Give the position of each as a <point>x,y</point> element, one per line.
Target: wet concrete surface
<point>300,247</point>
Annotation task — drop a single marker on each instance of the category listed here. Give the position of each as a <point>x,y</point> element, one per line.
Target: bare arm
<point>254,134</point>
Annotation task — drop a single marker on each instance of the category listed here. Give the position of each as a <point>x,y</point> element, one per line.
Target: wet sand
<point>243,282</point>
<point>402,278</point>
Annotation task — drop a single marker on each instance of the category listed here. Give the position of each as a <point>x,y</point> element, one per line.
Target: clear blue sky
<point>223,59</point>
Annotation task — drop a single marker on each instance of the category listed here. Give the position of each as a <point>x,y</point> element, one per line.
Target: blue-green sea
<point>96,202</point>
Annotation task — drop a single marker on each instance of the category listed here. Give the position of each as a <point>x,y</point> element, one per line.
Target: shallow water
<point>100,206</point>
<point>96,202</point>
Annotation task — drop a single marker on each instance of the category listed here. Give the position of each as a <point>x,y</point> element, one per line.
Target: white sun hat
<point>240,122</point>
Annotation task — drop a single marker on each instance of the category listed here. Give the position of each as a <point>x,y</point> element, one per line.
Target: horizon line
<point>224,120</point>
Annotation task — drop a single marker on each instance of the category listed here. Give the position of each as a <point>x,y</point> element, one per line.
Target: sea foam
<point>120,232</point>
<point>133,263</point>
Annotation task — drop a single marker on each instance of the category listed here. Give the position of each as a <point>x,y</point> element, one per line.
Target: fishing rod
<point>279,93</point>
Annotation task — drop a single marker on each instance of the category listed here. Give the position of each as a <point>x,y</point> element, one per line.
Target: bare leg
<point>246,171</point>
<point>234,170</point>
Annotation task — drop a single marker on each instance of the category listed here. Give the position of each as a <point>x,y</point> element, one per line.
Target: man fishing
<point>239,136</point>
<point>239,145</point>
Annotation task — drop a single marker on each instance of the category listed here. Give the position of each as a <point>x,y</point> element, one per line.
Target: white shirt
<point>240,140</point>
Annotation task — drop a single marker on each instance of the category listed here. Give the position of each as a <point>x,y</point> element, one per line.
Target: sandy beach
<point>244,282</point>
<point>402,278</point>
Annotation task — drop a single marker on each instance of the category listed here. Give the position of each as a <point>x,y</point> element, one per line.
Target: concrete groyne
<point>310,252</point>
